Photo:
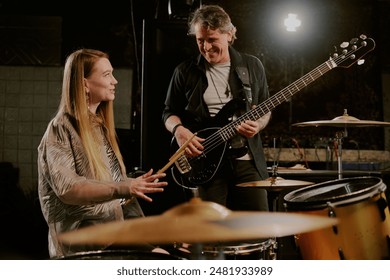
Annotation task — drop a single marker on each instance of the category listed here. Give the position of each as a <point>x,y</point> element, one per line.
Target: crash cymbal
<point>276,184</point>
<point>198,221</point>
<point>343,121</point>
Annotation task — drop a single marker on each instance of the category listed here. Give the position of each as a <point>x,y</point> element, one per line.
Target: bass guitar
<point>195,171</point>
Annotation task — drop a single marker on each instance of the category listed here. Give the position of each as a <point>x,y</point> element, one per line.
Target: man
<point>199,89</point>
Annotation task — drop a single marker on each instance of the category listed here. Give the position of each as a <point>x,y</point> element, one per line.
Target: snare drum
<point>265,250</point>
<point>118,255</point>
<point>362,210</point>
<point>256,250</point>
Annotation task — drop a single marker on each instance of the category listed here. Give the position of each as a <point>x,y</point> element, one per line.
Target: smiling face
<point>212,44</point>
<point>101,83</point>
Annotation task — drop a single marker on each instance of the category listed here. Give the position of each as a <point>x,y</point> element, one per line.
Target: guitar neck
<point>278,98</point>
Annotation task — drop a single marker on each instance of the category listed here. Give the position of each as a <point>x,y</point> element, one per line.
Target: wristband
<point>175,127</point>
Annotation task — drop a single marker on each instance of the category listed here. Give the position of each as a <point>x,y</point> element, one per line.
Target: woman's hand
<point>143,185</point>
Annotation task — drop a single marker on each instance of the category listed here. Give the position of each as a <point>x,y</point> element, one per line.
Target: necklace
<point>219,78</point>
<point>215,87</point>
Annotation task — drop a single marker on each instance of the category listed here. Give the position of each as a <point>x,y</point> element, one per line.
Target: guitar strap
<point>243,74</point>
<point>238,143</point>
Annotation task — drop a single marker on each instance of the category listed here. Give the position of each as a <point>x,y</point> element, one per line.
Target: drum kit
<point>198,222</point>
<point>338,219</point>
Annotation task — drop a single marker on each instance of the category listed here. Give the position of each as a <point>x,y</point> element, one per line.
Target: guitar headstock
<point>353,51</point>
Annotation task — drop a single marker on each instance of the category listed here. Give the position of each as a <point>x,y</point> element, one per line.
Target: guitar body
<point>203,167</point>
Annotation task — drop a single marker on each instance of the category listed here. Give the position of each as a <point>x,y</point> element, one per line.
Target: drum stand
<point>339,139</point>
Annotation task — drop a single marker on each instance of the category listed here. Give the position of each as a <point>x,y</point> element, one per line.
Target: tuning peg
<point>360,61</point>
<point>364,37</point>
<point>354,41</point>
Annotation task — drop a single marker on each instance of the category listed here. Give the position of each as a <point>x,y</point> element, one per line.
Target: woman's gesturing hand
<point>142,185</point>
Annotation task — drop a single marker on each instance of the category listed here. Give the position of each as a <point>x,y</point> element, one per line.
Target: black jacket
<point>189,82</point>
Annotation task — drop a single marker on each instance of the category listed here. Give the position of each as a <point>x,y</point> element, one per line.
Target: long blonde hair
<point>79,65</point>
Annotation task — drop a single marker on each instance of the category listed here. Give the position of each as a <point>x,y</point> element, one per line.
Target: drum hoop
<point>102,253</point>
<point>241,248</point>
<point>357,196</point>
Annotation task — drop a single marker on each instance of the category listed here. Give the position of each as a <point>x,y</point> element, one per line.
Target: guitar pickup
<point>183,165</point>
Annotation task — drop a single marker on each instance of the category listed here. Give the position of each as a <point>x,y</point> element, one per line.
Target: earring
<point>87,95</point>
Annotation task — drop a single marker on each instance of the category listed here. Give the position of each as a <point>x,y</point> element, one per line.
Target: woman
<point>82,178</point>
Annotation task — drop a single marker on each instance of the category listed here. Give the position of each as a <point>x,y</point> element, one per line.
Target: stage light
<point>292,22</point>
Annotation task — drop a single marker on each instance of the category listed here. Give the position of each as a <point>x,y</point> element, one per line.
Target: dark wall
<point>23,231</point>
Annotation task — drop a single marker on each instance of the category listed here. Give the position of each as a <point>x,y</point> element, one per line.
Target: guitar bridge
<point>183,165</point>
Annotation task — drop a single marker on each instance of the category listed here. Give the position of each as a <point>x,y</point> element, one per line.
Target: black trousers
<point>223,189</point>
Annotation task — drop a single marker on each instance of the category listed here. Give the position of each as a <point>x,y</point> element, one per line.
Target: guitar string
<point>217,138</point>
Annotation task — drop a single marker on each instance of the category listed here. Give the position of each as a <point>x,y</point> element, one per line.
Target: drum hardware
<point>197,222</point>
<point>117,255</point>
<point>250,250</point>
<point>341,254</point>
<point>332,214</point>
<point>343,121</point>
<point>256,249</point>
<point>276,161</point>
<point>382,205</point>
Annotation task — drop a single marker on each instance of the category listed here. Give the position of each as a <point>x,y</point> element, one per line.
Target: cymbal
<point>343,121</point>
<point>276,184</point>
<point>198,221</point>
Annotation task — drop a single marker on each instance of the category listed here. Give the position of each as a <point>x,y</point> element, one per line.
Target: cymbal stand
<point>195,192</point>
<point>275,199</point>
<point>274,177</point>
<point>276,162</point>
<point>339,138</point>
<point>197,252</point>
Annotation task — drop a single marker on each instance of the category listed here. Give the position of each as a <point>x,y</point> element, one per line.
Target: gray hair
<point>212,17</point>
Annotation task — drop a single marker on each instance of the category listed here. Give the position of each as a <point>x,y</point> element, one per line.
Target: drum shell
<point>363,229</point>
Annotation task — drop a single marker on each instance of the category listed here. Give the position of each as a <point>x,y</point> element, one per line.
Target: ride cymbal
<point>198,221</point>
<point>276,184</point>
<point>343,121</point>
